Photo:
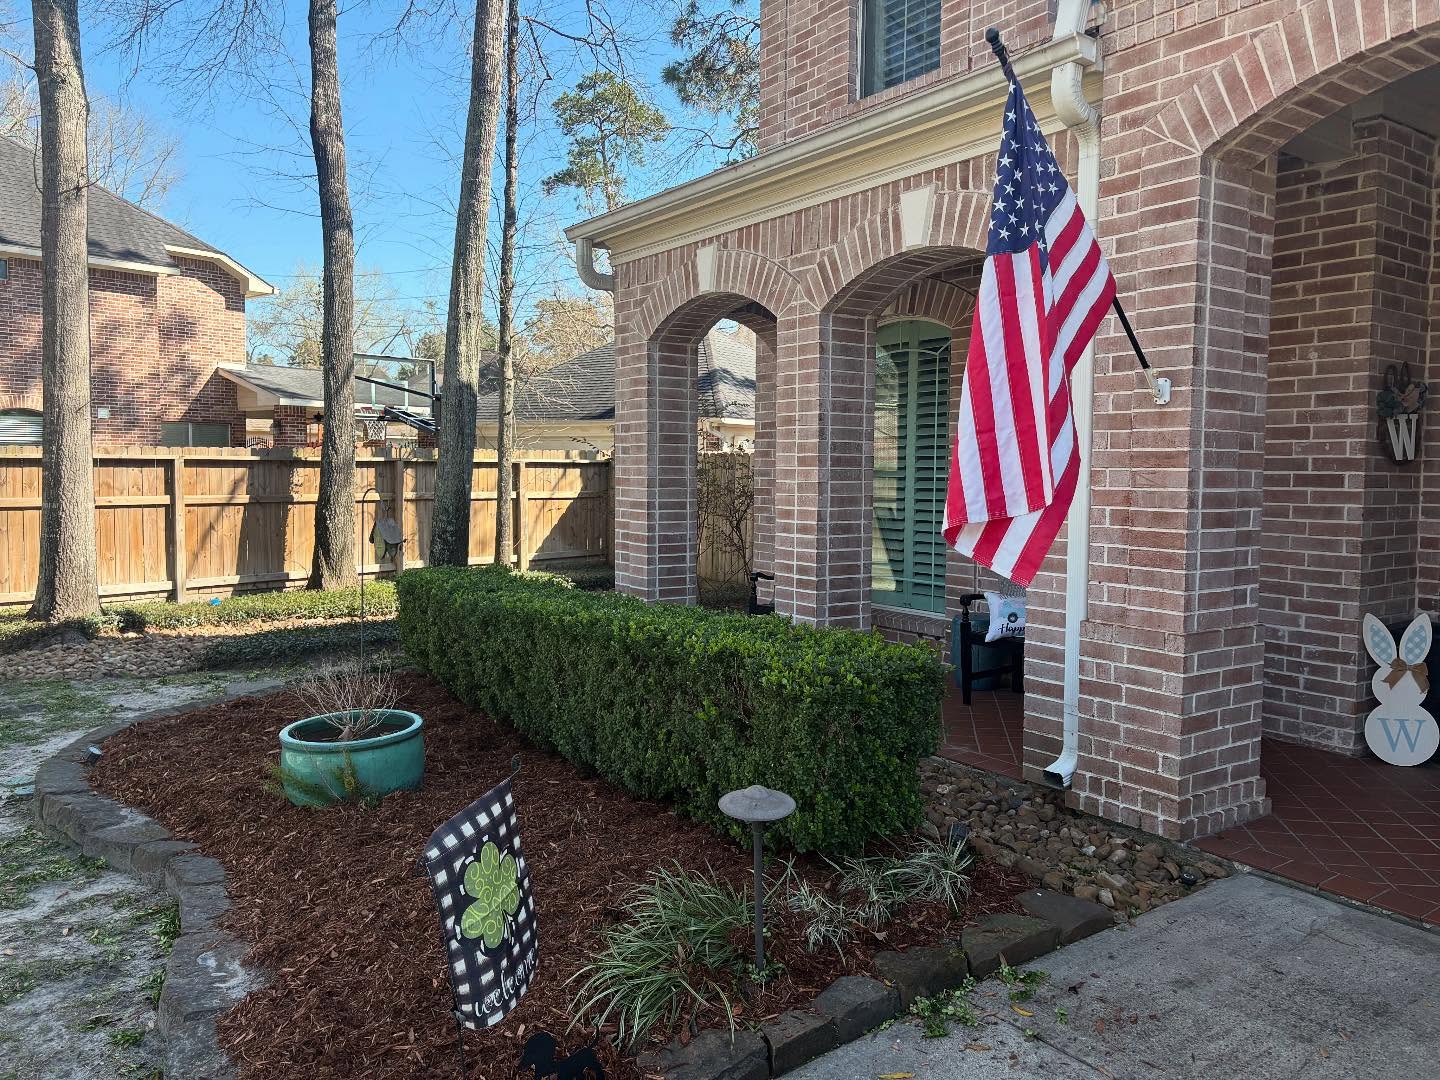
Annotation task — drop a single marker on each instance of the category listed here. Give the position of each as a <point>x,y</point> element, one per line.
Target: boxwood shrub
<point>683,704</point>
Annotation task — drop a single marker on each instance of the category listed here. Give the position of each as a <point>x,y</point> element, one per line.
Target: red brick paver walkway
<point>987,732</point>
<point>1355,827</point>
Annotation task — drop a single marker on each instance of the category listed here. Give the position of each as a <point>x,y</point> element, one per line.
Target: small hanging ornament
<point>385,535</point>
<point>1399,403</point>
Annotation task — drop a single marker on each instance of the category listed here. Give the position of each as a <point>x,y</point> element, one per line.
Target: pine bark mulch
<point>345,930</point>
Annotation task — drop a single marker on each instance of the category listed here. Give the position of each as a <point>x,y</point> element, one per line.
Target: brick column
<point>654,465</point>
<point>289,424</point>
<point>822,469</point>
<point>762,461</point>
<point>1170,669</point>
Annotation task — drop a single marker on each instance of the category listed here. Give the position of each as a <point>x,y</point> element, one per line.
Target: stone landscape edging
<point>204,976</point>
<point>854,1005</point>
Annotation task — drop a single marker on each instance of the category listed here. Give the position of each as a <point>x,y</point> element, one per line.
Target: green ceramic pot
<point>315,770</point>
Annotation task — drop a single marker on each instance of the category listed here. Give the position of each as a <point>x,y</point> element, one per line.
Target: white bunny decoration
<point>1399,730</point>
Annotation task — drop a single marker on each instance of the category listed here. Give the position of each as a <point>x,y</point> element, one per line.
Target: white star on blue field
<point>1028,183</point>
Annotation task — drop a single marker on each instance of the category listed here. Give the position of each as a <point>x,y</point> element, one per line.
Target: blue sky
<point>404,114</point>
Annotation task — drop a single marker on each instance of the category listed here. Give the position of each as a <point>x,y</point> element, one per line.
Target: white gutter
<point>1077,113</point>
<point>254,284</point>
<point>99,262</point>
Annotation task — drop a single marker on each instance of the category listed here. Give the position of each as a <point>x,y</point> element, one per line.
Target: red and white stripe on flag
<point>1045,287</point>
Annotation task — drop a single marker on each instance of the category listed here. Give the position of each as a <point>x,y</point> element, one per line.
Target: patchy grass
<point>166,928</point>
<point>153,984</point>
<point>259,608</point>
<point>126,1037</point>
<point>19,977</point>
<point>278,647</point>
<point>29,860</point>
<point>19,632</point>
<point>31,710</point>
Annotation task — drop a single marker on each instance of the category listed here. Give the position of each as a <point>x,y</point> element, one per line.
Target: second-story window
<point>899,40</point>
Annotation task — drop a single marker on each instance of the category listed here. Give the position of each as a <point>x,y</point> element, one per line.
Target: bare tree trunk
<point>505,429</point>
<point>450,527</point>
<point>334,563</point>
<point>68,582</point>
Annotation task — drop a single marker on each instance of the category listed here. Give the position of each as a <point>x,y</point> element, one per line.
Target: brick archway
<point>657,355</point>
<point>926,230</point>
<point>938,301</point>
<point>1316,61</point>
<point>1188,216</point>
<point>718,280</point>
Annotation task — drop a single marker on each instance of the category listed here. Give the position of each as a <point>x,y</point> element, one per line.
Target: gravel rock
<point>1031,829</point>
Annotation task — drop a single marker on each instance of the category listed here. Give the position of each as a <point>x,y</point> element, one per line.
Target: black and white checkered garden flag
<point>487,912</point>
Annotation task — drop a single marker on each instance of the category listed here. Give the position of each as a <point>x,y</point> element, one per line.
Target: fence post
<point>397,481</point>
<point>179,564</point>
<point>522,503</point>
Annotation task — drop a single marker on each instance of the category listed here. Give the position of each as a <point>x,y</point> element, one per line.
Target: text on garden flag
<point>1044,288</point>
<point>487,913</point>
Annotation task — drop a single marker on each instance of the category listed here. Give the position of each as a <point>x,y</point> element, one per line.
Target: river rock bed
<point>1031,829</point>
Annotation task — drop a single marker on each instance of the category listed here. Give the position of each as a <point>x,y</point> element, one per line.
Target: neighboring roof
<point>727,377</point>
<point>305,387</point>
<point>121,234</point>
<point>584,388</point>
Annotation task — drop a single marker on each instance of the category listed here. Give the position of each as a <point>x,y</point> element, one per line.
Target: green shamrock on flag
<point>495,885</point>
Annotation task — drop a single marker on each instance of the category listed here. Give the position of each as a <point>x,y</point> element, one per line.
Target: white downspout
<point>1070,105</point>
<point>585,266</point>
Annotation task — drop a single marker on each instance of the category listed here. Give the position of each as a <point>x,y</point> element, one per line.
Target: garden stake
<point>758,806</point>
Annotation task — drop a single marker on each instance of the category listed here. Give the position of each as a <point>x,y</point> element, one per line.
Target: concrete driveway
<point>1245,980</point>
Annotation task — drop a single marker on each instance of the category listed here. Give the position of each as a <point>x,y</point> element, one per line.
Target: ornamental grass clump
<point>672,957</point>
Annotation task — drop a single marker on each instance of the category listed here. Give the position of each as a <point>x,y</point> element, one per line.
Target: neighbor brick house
<point>1262,174</point>
<point>166,311</point>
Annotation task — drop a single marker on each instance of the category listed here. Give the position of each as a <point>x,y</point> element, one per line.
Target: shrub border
<point>204,976</point>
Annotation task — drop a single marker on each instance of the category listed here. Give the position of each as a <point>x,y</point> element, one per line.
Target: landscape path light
<point>758,806</point>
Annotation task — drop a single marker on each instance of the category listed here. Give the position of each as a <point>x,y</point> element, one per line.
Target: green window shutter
<point>912,397</point>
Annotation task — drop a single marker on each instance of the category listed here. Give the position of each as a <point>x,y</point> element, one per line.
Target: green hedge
<point>258,607</point>
<point>683,704</point>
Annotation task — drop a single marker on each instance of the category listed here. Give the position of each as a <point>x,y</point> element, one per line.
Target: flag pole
<point>1002,54</point>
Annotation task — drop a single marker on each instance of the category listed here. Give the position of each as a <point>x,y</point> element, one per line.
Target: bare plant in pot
<point>355,744</point>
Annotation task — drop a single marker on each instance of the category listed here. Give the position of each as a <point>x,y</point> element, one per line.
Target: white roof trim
<point>254,285</point>
<point>20,251</point>
<point>952,121</point>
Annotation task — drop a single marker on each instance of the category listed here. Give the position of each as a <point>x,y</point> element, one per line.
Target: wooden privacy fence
<point>173,522</point>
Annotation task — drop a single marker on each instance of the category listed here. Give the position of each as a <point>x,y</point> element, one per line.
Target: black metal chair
<point>754,607</point>
<point>966,636</point>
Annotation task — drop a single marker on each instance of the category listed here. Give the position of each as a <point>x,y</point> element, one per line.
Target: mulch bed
<point>347,933</point>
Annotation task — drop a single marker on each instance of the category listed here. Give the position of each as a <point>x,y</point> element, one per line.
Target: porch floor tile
<point>1355,827</point>
<point>987,733</point>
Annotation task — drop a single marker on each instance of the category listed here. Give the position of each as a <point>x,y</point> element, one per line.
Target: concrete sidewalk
<point>1245,980</point>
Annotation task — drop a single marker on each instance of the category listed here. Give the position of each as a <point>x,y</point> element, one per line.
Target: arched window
<point>912,397</point>
<point>20,427</point>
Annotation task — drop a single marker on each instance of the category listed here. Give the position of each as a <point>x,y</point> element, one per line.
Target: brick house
<point>166,311</point>
<point>1262,174</point>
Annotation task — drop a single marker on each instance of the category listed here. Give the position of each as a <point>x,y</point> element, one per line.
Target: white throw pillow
<point>1007,616</point>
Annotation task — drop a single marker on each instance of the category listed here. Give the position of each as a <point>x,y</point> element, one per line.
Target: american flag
<point>1044,289</point>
